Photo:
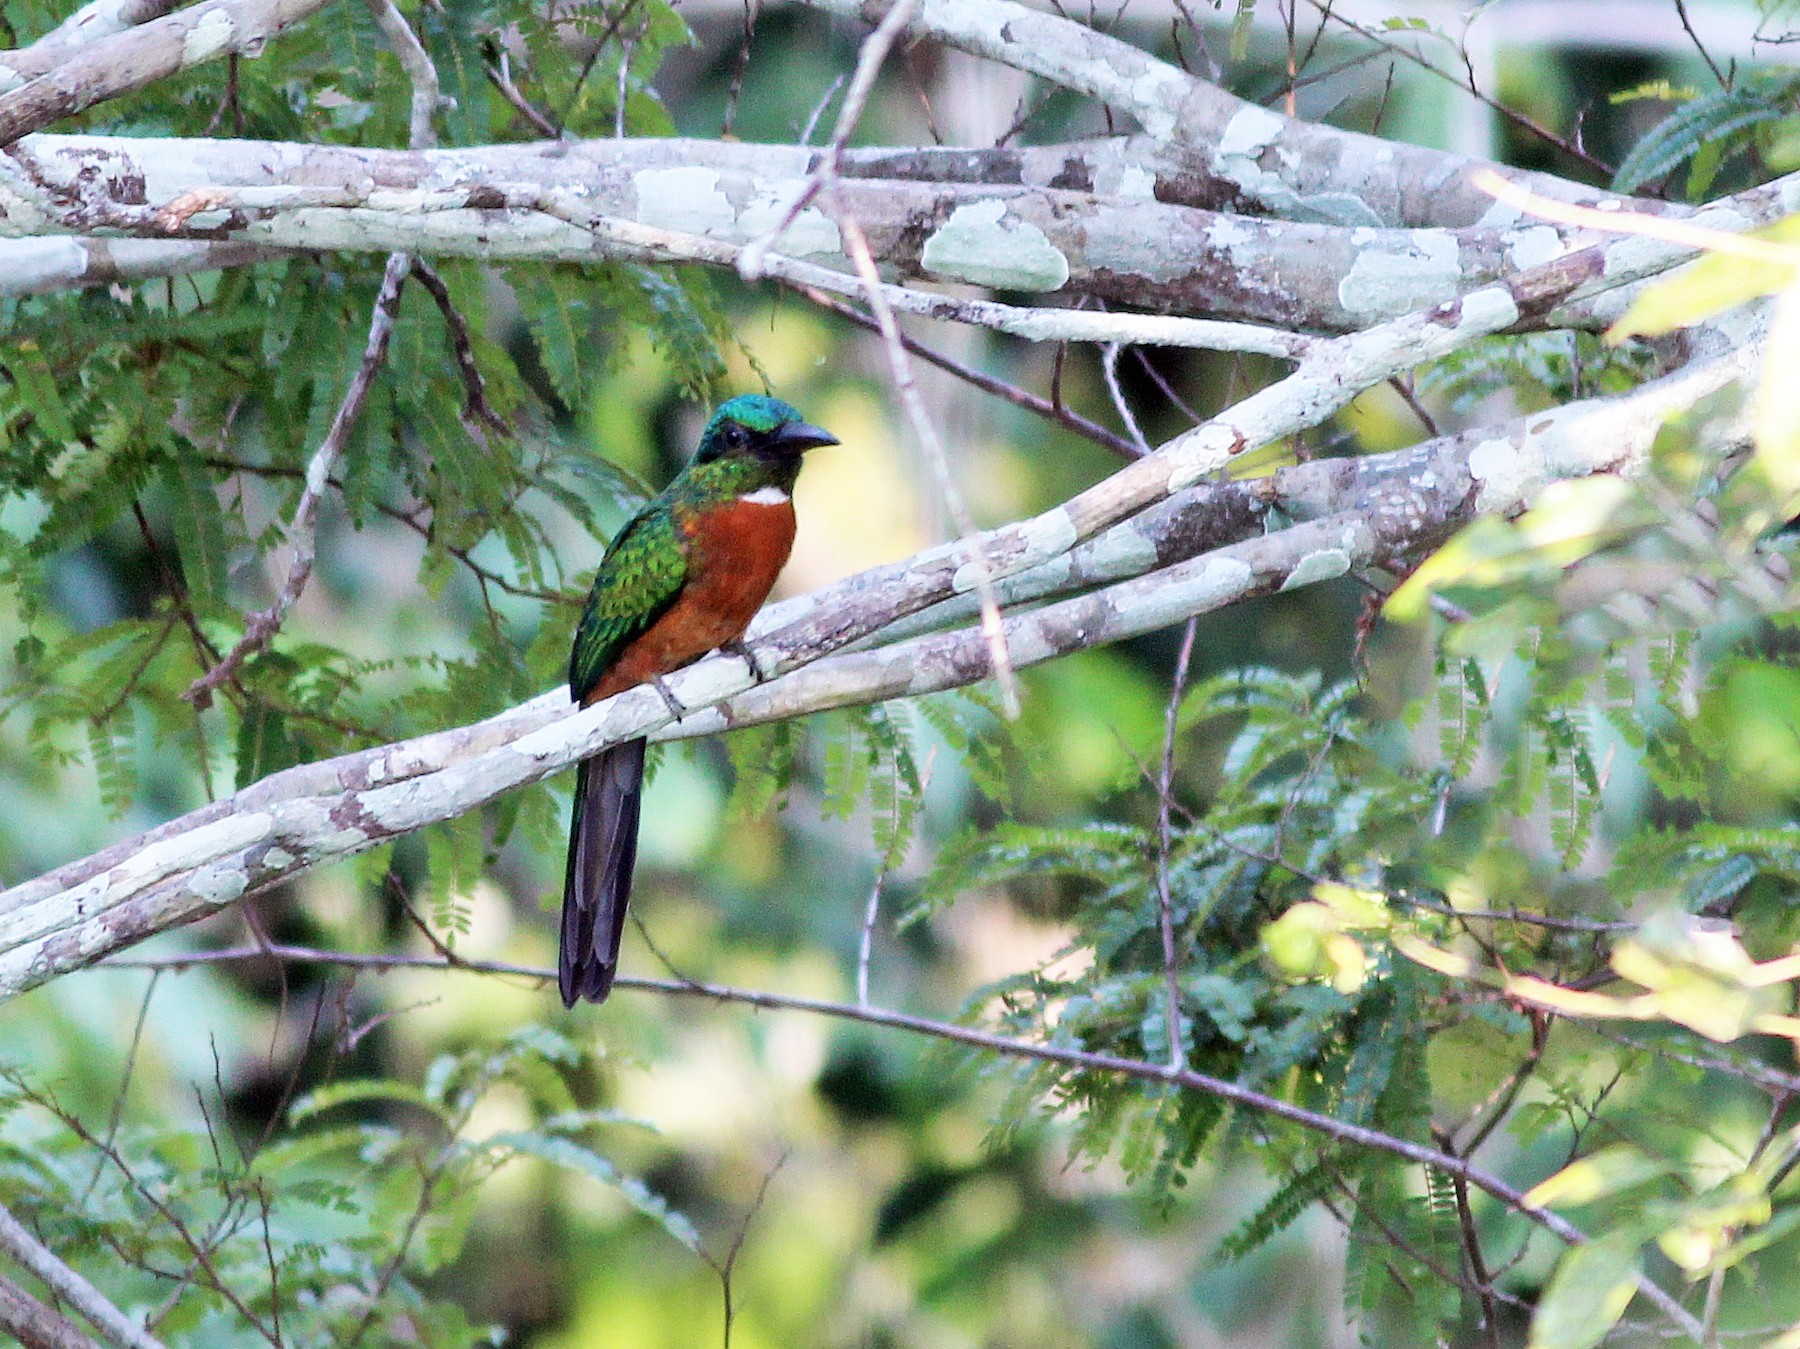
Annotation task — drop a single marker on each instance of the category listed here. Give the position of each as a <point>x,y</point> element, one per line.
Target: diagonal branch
<point>303,530</point>
<point>305,816</point>
<point>119,1330</point>
<point>129,60</point>
<point>974,1037</point>
<point>95,20</point>
<point>34,1325</point>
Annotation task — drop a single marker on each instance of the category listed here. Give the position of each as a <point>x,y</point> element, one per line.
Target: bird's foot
<point>668,696</point>
<point>738,647</point>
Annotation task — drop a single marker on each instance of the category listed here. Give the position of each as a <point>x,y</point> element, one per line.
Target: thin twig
<point>1483,1283</point>
<point>1165,786</point>
<point>869,61</point>
<point>1687,26</point>
<point>613,24</point>
<point>499,73</point>
<point>728,127</point>
<point>725,1268</point>
<point>1513,115</point>
<point>752,261</point>
<point>900,372</point>
<point>975,1038</point>
<point>131,1053</point>
<point>118,1329</point>
<point>865,949</point>
<point>476,408</point>
<point>627,46</point>
<point>987,383</point>
<point>303,531</point>
<point>34,1325</point>
<point>872,910</point>
<point>1109,369</point>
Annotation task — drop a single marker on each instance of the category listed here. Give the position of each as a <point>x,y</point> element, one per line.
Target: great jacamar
<point>685,575</point>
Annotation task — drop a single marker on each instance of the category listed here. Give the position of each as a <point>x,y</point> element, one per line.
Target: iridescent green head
<point>756,424</point>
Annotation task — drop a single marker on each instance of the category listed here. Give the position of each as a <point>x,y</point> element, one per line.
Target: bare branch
<point>1165,903</point>
<point>1243,153</point>
<point>131,59</point>
<point>420,72</point>
<point>302,817</point>
<point>1122,248</point>
<point>1018,397</point>
<point>119,1330</point>
<point>476,408</point>
<point>976,1038</point>
<point>34,1325</point>
<point>303,530</point>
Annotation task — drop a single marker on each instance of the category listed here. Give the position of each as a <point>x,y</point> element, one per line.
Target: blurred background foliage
<point>1601,731</point>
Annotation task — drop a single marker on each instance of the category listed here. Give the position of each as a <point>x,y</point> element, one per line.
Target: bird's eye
<point>734,435</point>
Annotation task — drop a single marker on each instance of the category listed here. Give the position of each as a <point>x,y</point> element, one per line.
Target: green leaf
<point>1242,24</point>
<point>1589,1292</point>
<point>1709,286</point>
<point>363,1091</point>
<point>199,529</point>
<point>1714,119</point>
<point>37,391</point>
<point>572,1156</point>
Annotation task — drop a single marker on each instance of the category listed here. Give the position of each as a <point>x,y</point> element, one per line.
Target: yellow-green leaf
<point>1778,401</point>
<point>1709,286</point>
<point>1589,1292</point>
<point>1608,1171</point>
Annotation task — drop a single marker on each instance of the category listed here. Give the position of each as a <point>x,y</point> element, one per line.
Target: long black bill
<point>802,436</point>
<point>603,835</point>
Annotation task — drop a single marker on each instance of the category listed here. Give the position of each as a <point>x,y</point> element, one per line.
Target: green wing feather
<point>639,578</point>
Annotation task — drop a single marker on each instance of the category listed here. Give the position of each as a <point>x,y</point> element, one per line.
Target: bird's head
<point>755,425</point>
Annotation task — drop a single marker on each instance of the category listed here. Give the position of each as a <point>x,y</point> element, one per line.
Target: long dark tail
<point>603,836</point>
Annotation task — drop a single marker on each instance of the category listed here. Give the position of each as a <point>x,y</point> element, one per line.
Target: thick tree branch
<point>1123,248</point>
<point>130,59</point>
<point>34,1325</point>
<point>119,1330</point>
<point>489,203</point>
<point>95,20</point>
<point>1246,157</point>
<point>316,813</point>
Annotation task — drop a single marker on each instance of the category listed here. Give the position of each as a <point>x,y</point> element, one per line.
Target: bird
<point>683,577</point>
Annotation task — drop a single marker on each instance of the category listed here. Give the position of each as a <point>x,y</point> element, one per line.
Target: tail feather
<point>603,837</point>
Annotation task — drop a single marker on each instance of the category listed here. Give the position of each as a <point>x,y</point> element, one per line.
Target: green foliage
<point>330,1231</point>
<point>1582,751</point>
<point>1708,129</point>
<point>168,424</point>
<point>1563,794</point>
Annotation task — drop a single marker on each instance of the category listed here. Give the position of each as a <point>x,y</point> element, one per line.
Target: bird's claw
<point>741,649</point>
<point>668,696</point>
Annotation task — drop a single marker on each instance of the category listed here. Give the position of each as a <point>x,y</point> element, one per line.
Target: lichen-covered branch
<point>138,56</point>
<point>1378,512</point>
<point>46,263</point>
<point>1242,156</point>
<point>1125,248</point>
<point>95,20</point>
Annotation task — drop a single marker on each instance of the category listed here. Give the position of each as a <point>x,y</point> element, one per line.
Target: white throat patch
<point>765,496</point>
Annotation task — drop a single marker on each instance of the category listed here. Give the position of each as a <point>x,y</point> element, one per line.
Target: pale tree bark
<point>1363,261</point>
<point>1212,222</point>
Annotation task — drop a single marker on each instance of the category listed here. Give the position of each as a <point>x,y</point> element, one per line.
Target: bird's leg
<point>668,696</point>
<point>738,647</point>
